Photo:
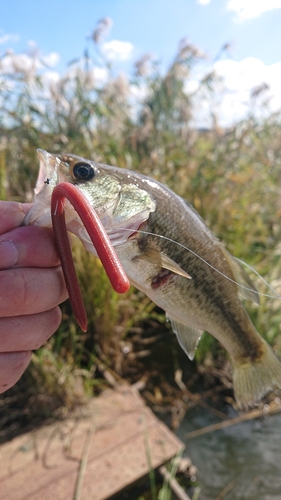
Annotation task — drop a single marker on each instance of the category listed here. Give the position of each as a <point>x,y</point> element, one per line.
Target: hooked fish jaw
<point>121,204</point>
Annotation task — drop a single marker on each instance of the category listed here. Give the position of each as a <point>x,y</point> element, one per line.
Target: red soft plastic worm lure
<point>99,237</point>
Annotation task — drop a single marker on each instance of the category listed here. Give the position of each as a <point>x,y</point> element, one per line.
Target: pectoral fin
<point>247,289</point>
<point>162,260</point>
<point>188,336</point>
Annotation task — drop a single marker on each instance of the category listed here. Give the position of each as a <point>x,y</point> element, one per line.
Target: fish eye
<point>83,171</point>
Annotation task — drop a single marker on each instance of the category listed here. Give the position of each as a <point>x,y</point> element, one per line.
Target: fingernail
<point>8,254</point>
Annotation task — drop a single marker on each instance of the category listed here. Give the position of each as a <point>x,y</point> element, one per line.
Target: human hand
<point>31,287</point>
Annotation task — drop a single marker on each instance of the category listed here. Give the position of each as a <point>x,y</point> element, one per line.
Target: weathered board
<point>92,456</point>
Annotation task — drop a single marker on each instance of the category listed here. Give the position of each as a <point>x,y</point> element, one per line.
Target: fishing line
<point>275,296</point>
<point>260,277</point>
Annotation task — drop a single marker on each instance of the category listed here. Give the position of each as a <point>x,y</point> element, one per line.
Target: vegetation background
<point>231,176</point>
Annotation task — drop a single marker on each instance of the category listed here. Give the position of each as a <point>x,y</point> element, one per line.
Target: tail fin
<point>253,380</point>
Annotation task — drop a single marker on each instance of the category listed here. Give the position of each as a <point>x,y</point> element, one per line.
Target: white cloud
<point>243,75</point>
<point>100,76</point>
<point>8,38</point>
<point>51,77</point>
<point>242,86</point>
<point>191,86</point>
<point>51,59</point>
<point>253,8</point>
<point>240,80</point>
<point>116,50</point>
<point>203,2</point>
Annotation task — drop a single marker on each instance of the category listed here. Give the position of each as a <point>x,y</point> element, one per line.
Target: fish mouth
<point>119,218</point>
<point>47,167</point>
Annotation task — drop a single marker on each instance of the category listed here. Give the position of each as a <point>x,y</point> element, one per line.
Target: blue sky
<point>251,27</point>
<point>150,25</point>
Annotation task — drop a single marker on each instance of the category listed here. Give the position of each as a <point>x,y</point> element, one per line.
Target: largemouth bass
<point>169,254</point>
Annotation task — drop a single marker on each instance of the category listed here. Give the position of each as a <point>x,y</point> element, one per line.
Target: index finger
<point>12,214</point>
<point>28,246</point>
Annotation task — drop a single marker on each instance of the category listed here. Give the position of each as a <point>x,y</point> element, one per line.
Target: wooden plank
<point>123,440</point>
